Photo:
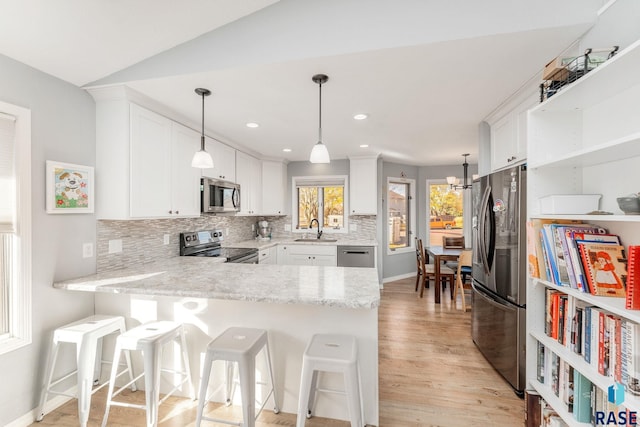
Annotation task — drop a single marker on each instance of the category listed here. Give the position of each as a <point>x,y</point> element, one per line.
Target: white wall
<point>63,129</point>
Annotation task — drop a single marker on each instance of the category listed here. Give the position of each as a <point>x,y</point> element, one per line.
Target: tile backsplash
<point>143,241</point>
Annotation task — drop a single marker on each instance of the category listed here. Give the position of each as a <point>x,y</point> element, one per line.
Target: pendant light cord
<point>320,114</point>
<point>202,137</point>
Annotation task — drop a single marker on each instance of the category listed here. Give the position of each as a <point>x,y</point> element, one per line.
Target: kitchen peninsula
<point>291,302</point>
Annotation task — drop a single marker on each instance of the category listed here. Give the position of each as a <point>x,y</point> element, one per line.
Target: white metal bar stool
<point>86,334</point>
<point>330,353</point>
<point>150,339</point>
<point>239,345</point>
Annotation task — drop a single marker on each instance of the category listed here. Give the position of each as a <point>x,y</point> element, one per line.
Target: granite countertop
<point>199,277</point>
<point>264,244</point>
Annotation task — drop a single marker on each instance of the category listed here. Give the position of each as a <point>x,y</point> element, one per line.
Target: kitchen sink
<point>308,239</point>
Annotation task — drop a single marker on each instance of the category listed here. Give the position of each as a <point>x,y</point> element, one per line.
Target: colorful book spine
<point>632,301</point>
<point>587,334</point>
<point>581,398</point>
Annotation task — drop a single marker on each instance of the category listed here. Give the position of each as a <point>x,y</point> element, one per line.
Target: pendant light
<point>202,159</point>
<point>319,153</point>
<point>453,181</point>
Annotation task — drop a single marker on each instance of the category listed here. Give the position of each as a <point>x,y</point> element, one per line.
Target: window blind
<point>320,182</point>
<point>7,173</point>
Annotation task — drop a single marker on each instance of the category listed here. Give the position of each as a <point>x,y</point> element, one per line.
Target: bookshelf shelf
<point>612,305</point>
<point>553,400</point>
<point>585,139</point>
<point>592,218</point>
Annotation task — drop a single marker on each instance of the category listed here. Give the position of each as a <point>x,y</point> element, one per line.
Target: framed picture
<point>69,188</point>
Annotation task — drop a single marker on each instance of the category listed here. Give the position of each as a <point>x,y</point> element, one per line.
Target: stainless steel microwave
<point>219,196</point>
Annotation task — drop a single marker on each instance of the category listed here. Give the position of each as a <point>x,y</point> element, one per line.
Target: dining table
<point>441,254</point>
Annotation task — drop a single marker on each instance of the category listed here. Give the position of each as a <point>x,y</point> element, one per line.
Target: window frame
<point>412,216</point>
<point>295,204</point>
<point>20,305</point>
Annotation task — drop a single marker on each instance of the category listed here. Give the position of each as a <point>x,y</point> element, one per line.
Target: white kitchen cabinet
<point>163,183</point>
<point>363,186</point>
<point>292,254</point>
<point>143,161</point>
<point>249,175</point>
<point>268,255</point>
<point>274,186</point>
<point>224,160</point>
<point>509,132</point>
<point>585,139</point>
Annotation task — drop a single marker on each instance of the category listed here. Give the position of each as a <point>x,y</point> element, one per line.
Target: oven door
<point>251,258</point>
<point>220,196</point>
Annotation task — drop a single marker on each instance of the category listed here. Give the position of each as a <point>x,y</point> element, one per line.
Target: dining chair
<point>464,262</point>
<point>453,242</point>
<point>427,272</point>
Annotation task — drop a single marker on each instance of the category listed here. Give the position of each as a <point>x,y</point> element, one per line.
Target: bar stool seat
<point>330,353</point>
<point>86,334</point>
<point>241,346</point>
<point>150,339</point>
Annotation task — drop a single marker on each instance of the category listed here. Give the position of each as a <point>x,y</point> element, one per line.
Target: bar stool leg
<point>230,385</point>
<point>204,384</point>
<point>276,408</point>
<point>352,386</point>
<point>303,399</point>
<point>86,360</point>
<point>51,362</point>
<point>112,380</point>
<point>187,367</point>
<point>152,383</point>
<point>248,387</point>
<point>312,392</point>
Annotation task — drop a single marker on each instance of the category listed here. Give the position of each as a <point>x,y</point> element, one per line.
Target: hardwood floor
<point>431,374</point>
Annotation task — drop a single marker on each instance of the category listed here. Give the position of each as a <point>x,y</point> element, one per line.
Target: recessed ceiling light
<point>360,116</point>
<point>364,145</point>
<point>252,125</point>
<point>286,150</point>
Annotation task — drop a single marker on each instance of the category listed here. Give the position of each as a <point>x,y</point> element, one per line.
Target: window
<point>15,227</point>
<point>446,212</point>
<point>322,198</point>
<point>400,214</point>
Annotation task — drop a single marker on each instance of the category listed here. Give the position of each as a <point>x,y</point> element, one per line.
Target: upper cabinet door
<point>224,161</point>
<point>185,181</point>
<point>249,175</point>
<point>150,164</point>
<point>363,179</point>
<point>274,186</point>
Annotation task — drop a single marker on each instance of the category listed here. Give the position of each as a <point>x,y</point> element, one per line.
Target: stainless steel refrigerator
<point>499,272</point>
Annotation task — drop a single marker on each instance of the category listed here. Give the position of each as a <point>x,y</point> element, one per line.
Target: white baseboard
<point>52,404</point>
<point>400,277</point>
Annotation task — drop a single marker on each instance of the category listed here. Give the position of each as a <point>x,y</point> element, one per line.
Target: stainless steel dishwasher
<point>356,256</point>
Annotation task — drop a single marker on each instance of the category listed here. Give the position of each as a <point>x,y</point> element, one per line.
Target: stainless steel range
<point>208,243</point>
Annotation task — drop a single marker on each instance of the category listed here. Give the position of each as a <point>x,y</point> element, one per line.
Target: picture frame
<point>70,188</point>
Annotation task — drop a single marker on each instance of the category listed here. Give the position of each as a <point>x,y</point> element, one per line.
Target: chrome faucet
<point>318,223</point>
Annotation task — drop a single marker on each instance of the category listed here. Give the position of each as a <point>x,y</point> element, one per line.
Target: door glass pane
<point>333,207</point>
<point>398,215</point>
<point>445,213</point>
<point>307,205</point>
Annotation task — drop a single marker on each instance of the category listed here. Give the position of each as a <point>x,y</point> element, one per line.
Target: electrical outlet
<point>253,227</point>
<point>167,239</point>
<point>226,231</point>
<point>115,246</point>
<point>87,250</point>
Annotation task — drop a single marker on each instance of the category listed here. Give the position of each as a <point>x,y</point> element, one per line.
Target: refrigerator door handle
<point>482,247</point>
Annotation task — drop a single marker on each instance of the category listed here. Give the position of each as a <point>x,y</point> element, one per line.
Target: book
<point>540,363</point>
<point>533,409</point>
<point>532,256</point>
<point>632,301</point>
<point>596,235</point>
<point>539,255</point>
<point>567,234</point>
<point>631,357</point>
<point>605,267</point>
<point>581,398</point>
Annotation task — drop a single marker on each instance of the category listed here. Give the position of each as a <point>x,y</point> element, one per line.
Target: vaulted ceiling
<point>426,72</point>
